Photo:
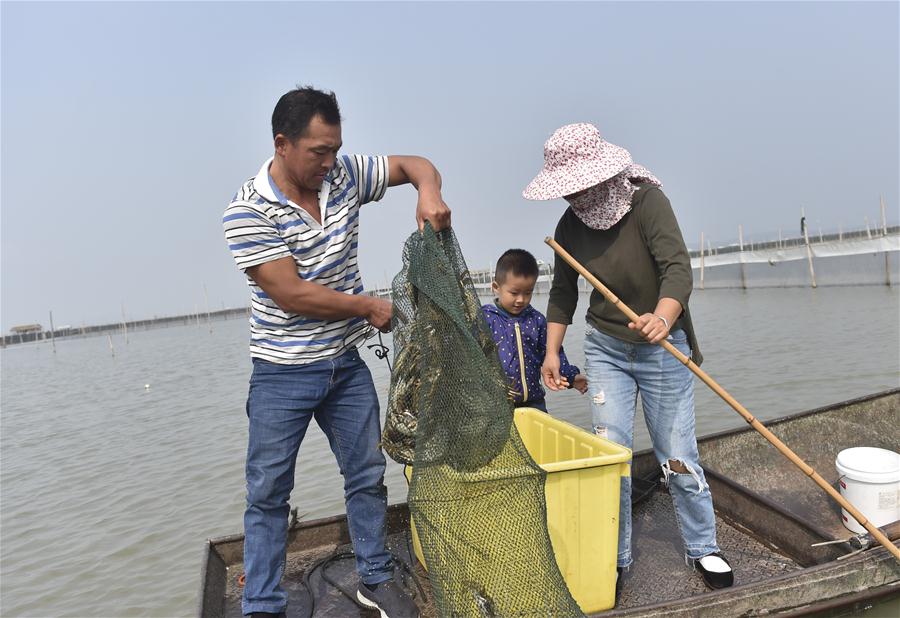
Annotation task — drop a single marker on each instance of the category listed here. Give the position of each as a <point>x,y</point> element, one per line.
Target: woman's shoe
<point>715,569</point>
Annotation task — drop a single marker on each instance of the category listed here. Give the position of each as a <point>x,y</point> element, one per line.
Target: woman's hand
<point>550,373</point>
<point>652,327</point>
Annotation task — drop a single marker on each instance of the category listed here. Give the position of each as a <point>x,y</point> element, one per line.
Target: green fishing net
<point>476,495</point>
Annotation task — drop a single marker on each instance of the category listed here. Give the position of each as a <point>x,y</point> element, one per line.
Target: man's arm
<point>292,294</point>
<point>420,173</point>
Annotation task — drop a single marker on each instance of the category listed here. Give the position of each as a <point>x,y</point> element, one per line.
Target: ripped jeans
<point>617,371</point>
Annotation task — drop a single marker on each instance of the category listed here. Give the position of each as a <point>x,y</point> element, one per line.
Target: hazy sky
<point>127,127</point>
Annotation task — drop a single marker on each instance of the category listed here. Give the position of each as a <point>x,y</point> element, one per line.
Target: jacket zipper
<point>521,363</point>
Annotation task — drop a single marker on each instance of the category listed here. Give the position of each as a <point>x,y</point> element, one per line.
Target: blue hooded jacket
<point>524,337</point>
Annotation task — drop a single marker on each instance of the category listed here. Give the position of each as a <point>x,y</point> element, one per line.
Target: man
<point>293,230</point>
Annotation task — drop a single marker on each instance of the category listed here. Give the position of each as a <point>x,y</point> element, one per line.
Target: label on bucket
<point>888,499</point>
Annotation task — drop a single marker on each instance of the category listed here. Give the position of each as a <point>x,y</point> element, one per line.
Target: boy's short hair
<point>518,262</point>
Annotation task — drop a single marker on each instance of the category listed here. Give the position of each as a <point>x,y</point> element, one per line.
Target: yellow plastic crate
<point>582,492</point>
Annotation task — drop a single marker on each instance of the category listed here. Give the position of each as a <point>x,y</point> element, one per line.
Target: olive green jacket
<point>641,259</point>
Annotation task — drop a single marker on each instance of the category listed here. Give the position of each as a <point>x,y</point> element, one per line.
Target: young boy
<point>520,331</point>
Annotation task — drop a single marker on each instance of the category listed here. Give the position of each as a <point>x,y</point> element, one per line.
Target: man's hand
<point>579,383</point>
<point>379,314</point>
<point>423,175</point>
<point>431,207</point>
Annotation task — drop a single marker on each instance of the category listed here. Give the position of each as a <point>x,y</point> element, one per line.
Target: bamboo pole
<point>741,256</point>
<point>883,218</point>
<point>731,401</point>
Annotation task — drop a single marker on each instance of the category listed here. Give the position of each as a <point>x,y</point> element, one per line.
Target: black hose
<point>338,555</point>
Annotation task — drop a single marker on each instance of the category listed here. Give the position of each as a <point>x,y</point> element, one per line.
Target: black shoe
<point>716,578</point>
<point>389,599</point>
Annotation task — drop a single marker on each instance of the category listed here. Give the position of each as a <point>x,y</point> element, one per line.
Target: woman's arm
<point>666,244</point>
<point>550,369</point>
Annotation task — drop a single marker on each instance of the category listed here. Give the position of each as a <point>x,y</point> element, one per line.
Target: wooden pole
<point>809,257</point>
<point>887,255</point>
<point>868,230</point>
<point>112,350</point>
<point>731,401</point>
<point>887,269</point>
<point>741,256</point>
<point>124,324</point>
<point>206,300</point>
<point>701,260</point>
<point>52,334</point>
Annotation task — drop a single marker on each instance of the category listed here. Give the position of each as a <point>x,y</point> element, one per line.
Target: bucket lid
<point>869,464</point>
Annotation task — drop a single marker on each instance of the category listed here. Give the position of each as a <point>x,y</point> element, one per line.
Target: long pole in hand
<point>731,401</point>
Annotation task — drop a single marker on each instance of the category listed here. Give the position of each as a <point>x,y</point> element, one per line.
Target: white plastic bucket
<point>870,481</point>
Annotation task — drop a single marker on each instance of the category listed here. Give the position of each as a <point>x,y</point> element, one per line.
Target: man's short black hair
<point>518,262</point>
<point>295,110</point>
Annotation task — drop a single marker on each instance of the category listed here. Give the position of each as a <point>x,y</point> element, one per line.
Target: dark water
<point>109,488</point>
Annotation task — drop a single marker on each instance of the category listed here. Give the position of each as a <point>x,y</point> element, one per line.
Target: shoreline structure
<point>860,257</point>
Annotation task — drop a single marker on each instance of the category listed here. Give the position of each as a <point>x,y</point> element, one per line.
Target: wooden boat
<point>769,516</point>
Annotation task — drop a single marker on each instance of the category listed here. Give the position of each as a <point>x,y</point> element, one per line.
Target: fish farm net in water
<point>476,495</point>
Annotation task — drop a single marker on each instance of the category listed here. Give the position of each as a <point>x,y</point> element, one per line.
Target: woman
<point>620,226</point>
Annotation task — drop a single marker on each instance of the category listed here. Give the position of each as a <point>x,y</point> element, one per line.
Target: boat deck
<point>658,575</point>
<point>769,516</point>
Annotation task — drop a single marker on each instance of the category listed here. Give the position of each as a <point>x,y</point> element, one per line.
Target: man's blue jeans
<point>340,394</point>
<point>617,371</point>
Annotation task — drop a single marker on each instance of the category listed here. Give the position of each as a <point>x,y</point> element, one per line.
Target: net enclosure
<point>476,495</point>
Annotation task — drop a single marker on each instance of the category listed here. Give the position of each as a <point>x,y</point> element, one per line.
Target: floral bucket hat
<point>576,158</point>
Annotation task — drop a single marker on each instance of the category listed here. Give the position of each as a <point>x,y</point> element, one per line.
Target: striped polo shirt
<point>261,225</point>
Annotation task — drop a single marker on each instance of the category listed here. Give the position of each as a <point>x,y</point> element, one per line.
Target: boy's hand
<point>579,383</point>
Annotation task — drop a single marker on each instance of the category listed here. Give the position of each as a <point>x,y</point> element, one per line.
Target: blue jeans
<point>537,404</point>
<point>340,394</point>
<point>617,371</point>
